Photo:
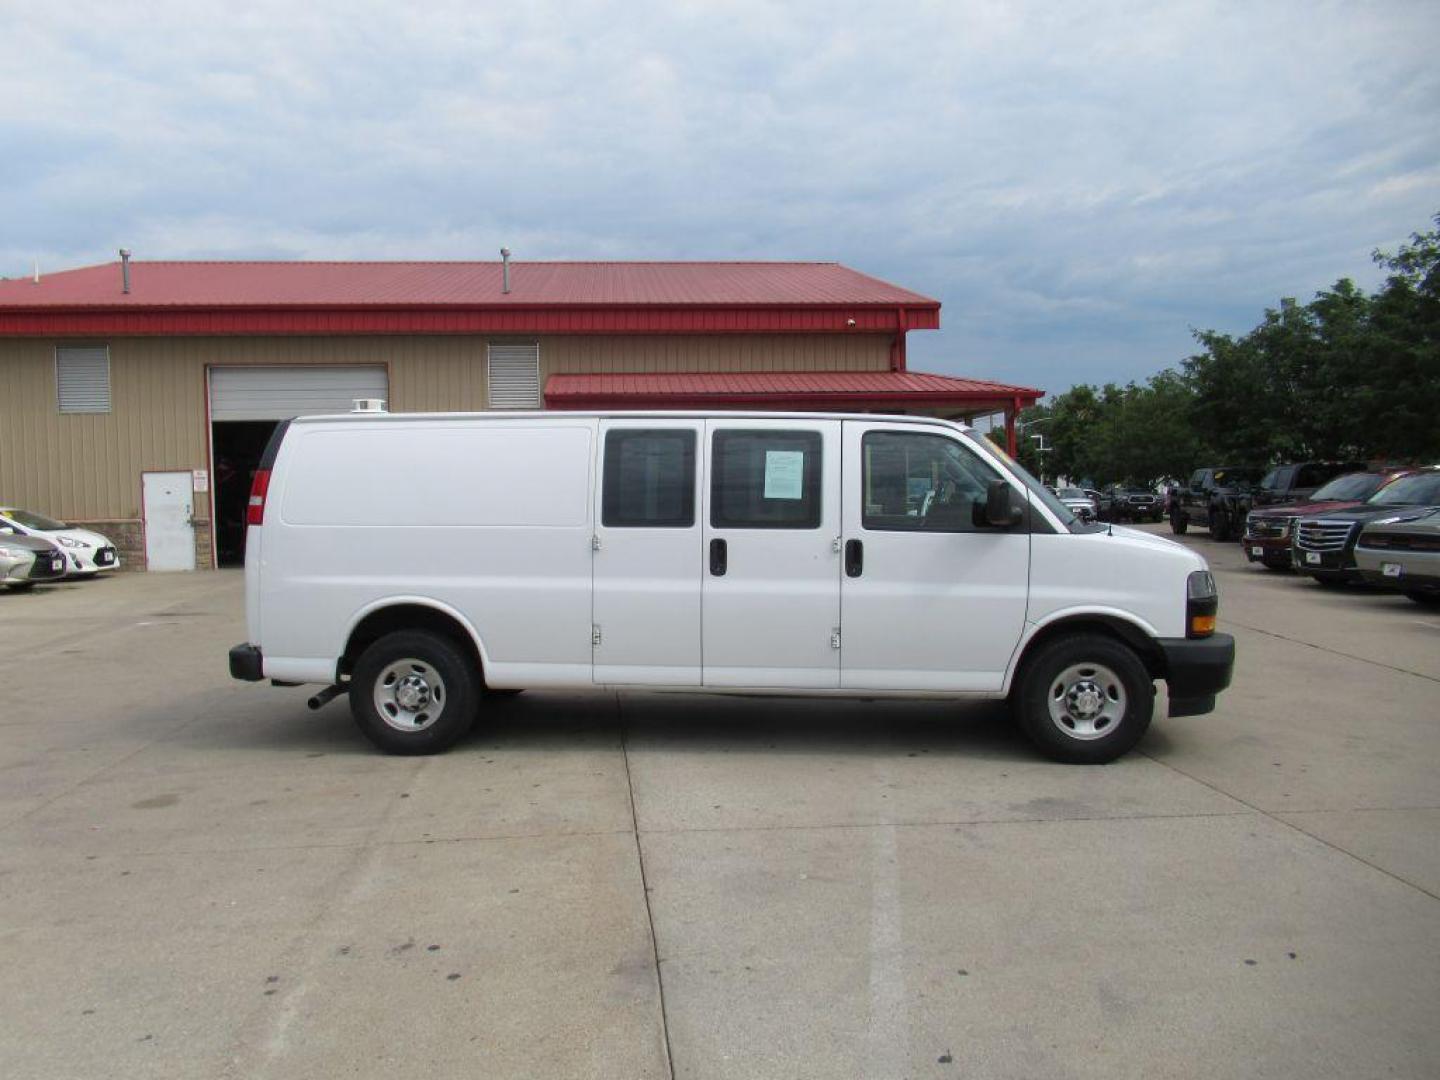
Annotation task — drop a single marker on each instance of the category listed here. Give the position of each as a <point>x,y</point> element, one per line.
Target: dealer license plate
<point>1390,569</point>
<point>1257,551</point>
<point>1312,557</point>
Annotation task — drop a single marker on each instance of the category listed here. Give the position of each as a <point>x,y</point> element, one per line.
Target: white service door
<point>933,600</point>
<point>169,525</point>
<point>648,563</point>
<point>771,571</point>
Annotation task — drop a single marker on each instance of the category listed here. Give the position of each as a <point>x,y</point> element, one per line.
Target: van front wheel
<point>414,692</point>
<point>1084,699</point>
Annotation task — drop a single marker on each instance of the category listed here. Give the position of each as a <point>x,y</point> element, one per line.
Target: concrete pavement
<point>202,878</point>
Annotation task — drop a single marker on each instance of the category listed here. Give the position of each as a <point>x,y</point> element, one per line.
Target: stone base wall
<point>128,536</point>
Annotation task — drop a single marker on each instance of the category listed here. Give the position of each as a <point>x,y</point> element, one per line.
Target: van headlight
<point>1202,601</point>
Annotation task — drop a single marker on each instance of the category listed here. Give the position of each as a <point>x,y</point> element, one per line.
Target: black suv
<point>1325,543</point>
<point>1219,499</point>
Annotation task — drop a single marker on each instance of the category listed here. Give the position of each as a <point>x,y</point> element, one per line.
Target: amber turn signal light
<point>1202,625</point>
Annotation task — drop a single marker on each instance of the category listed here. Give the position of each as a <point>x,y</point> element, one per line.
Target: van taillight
<point>255,511</point>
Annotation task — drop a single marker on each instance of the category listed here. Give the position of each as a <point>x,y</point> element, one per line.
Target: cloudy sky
<point>1079,184</point>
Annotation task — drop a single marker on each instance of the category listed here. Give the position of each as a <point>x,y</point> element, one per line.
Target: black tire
<point>1113,670</point>
<point>1270,564</point>
<point>444,678</point>
<point>1179,523</point>
<point>1425,599</point>
<point>22,586</point>
<point>1219,525</point>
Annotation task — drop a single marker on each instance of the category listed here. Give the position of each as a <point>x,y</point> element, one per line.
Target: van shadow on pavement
<point>651,722</point>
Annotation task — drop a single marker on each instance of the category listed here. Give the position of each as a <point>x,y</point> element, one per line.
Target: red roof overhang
<point>467,319</point>
<point>839,391</point>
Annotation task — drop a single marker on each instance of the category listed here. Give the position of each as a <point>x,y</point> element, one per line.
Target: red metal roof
<point>295,298</point>
<point>464,284</point>
<point>779,389</point>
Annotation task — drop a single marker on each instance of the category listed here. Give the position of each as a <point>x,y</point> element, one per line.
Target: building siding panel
<point>87,467</point>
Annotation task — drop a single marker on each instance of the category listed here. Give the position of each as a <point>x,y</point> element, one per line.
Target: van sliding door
<point>771,569</point>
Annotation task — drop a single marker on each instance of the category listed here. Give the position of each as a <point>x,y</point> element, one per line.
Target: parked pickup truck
<point>1270,532</point>
<point>1299,482</point>
<point>1131,504</point>
<point>1218,499</point>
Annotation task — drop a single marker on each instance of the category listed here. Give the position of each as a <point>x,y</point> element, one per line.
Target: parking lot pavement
<point>201,878</point>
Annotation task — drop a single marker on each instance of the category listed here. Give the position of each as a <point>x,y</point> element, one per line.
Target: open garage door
<point>278,393</point>
<point>245,405</point>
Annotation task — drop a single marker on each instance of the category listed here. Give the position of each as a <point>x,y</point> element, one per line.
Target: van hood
<point>1146,537</point>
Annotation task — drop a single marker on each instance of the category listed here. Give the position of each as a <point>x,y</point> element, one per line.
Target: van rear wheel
<point>1084,699</point>
<point>414,692</point>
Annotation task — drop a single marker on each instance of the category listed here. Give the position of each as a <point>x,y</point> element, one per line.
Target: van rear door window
<point>649,479</point>
<point>765,480</point>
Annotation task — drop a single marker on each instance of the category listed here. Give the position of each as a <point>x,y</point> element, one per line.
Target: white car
<point>730,553</point>
<point>1079,503</point>
<point>25,560</point>
<point>86,552</point>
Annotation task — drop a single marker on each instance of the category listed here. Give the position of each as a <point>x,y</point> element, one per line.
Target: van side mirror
<point>1004,506</point>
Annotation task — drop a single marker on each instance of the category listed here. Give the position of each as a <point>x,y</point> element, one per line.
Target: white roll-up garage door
<point>278,393</point>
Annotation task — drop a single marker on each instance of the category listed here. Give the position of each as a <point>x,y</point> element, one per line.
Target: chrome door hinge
<point>835,638</point>
<point>594,543</point>
<point>595,634</point>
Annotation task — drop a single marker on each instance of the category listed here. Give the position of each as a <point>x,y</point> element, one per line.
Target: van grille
<point>1324,535</point>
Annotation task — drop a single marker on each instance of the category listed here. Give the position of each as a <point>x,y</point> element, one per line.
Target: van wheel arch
<point>408,616</point>
<point>1126,633</point>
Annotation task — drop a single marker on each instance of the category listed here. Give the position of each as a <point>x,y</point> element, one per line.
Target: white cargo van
<point>419,562</point>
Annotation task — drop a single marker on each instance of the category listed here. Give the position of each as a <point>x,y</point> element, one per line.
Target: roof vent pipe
<point>125,270</point>
<point>504,270</point>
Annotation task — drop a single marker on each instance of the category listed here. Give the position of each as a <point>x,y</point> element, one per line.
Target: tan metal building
<point>135,398</point>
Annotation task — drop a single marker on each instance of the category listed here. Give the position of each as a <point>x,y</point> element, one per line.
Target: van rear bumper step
<point>247,663</point>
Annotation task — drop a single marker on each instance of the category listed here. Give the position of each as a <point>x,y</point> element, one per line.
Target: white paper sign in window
<point>784,474</point>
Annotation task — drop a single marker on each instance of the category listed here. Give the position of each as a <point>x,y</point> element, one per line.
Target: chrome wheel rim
<point>410,695</point>
<point>1086,701</point>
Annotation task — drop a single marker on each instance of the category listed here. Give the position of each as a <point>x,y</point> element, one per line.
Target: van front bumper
<point>247,663</point>
<point>1196,670</point>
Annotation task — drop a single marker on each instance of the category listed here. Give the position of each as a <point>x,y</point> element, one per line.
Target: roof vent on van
<point>369,405</point>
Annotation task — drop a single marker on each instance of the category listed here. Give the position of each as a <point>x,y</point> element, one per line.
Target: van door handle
<point>854,558</point>
<point>719,557</point>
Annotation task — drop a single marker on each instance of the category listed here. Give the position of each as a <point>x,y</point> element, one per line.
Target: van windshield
<point>1038,491</point>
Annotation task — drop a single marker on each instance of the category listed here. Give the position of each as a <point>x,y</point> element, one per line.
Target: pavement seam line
<point>1332,652</point>
<point>810,826</point>
<point>1291,825</point>
<point>645,892</point>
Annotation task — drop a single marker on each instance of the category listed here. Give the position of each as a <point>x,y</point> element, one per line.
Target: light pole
<point>1042,450</point>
